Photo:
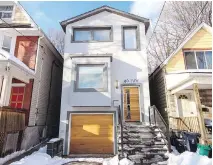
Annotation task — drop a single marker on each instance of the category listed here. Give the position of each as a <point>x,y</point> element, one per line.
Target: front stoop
<point>142,144</point>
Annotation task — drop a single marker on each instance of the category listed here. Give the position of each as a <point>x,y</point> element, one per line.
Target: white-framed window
<point>91,77</point>
<point>6,45</point>
<point>6,11</point>
<point>198,59</point>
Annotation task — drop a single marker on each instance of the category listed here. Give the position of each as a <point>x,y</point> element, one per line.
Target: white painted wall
<point>124,65</point>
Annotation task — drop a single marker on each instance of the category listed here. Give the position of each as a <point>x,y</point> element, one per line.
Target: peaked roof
<point>187,38</point>
<point>105,8</point>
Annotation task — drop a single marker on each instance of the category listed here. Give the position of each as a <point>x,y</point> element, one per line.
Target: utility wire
<point>195,21</point>
<point>156,24</point>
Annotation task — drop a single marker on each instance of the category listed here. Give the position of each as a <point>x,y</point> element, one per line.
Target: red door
<point>17,97</point>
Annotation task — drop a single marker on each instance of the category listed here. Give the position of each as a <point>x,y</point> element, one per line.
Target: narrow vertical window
<point>208,55</point>
<point>190,60</point>
<point>130,38</point>
<point>6,43</point>
<point>201,63</point>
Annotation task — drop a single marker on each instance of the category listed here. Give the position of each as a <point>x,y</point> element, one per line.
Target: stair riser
<point>141,142</point>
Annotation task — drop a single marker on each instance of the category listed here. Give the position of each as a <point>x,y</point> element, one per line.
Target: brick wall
<point>26,50</point>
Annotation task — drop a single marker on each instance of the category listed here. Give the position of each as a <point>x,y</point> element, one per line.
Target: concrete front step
<point>143,149</point>
<point>141,140</point>
<point>153,161</point>
<point>147,143</point>
<point>141,135</point>
<point>141,159</point>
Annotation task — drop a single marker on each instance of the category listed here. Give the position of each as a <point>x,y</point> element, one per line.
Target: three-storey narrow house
<point>105,67</point>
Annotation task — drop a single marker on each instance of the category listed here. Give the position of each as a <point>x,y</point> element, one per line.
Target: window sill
<point>91,41</point>
<point>131,49</point>
<point>91,90</point>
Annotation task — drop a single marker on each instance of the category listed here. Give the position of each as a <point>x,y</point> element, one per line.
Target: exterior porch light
<point>116,84</point>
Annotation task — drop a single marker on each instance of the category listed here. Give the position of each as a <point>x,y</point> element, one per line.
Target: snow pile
<point>188,158</point>
<point>15,60</point>
<point>11,156</point>
<point>115,161</point>
<point>54,140</point>
<point>126,161</point>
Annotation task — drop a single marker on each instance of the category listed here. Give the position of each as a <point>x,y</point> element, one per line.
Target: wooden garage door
<point>91,134</point>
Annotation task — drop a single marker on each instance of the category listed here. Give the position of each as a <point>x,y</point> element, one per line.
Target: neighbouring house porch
<point>16,82</point>
<point>190,104</point>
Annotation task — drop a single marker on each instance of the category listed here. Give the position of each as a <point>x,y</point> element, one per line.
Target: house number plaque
<point>131,81</point>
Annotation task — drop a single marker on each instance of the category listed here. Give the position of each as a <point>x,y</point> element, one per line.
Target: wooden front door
<point>91,134</point>
<point>131,105</point>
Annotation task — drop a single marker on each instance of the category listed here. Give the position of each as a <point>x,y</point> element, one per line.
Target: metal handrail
<point>120,120</point>
<point>154,108</point>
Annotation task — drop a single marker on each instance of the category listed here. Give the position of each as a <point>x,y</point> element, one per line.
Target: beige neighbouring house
<point>181,87</point>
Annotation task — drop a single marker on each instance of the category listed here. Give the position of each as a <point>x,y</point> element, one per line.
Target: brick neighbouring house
<point>30,69</point>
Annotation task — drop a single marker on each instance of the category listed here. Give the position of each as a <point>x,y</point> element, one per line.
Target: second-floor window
<point>6,43</point>
<point>92,34</point>
<point>130,38</point>
<point>91,78</point>
<point>6,11</point>
<point>198,59</point>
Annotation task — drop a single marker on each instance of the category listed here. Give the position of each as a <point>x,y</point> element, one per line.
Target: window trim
<point>194,52</point>
<point>137,37</point>
<point>105,78</point>
<point>91,28</point>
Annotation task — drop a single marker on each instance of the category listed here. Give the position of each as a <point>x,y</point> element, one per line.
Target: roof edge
<point>101,9</point>
<point>187,38</point>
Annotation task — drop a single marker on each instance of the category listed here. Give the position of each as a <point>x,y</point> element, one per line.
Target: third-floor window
<point>130,38</point>
<point>92,34</point>
<point>198,59</point>
<point>6,11</point>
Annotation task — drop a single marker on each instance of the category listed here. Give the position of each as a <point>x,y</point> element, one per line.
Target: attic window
<point>198,59</point>
<point>6,11</point>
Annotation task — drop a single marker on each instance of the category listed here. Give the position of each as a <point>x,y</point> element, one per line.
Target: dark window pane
<point>201,60</point>
<point>209,59</point>
<point>102,35</point>
<point>6,8</point>
<point>190,60</point>
<point>130,41</point>
<point>82,35</point>
<point>7,15</point>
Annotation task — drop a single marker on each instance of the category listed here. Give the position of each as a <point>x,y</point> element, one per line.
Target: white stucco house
<point>105,65</point>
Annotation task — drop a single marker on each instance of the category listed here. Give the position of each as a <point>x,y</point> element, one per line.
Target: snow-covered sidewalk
<point>41,158</point>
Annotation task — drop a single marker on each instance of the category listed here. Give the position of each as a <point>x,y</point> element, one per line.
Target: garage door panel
<point>91,133</point>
